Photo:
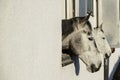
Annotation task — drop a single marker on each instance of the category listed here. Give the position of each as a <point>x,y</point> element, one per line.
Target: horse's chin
<point>90,70</point>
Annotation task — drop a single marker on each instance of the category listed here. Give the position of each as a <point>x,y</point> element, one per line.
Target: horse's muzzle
<point>94,68</point>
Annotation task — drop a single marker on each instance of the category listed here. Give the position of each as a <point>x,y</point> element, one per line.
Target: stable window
<point>74,8</point>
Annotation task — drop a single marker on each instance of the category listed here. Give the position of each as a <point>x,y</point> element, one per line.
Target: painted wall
<point>111,21</point>
<point>30,42</point>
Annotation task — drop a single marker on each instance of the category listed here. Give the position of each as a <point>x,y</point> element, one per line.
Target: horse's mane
<point>89,24</point>
<point>67,25</point>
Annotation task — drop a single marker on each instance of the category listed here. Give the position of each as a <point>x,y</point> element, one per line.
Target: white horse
<point>101,41</point>
<point>79,39</point>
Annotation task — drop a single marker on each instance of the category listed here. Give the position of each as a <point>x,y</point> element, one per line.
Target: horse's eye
<point>84,31</point>
<point>103,37</point>
<point>88,33</point>
<point>90,38</point>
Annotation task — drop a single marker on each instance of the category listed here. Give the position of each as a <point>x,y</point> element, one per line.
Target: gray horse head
<point>102,42</point>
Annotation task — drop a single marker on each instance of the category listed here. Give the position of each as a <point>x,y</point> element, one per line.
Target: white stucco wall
<point>30,42</point>
<point>111,21</point>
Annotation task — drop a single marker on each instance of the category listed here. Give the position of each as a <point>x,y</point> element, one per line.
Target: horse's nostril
<point>106,55</point>
<point>93,68</point>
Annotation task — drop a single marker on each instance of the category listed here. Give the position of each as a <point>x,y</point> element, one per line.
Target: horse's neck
<point>65,41</point>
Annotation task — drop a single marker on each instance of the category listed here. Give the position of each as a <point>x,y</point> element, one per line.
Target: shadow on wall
<point>76,64</point>
<point>74,58</point>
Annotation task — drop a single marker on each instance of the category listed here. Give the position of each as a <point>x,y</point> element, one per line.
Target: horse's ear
<point>84,20</point>
<point>101,26</point>
<point>87,17</point>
